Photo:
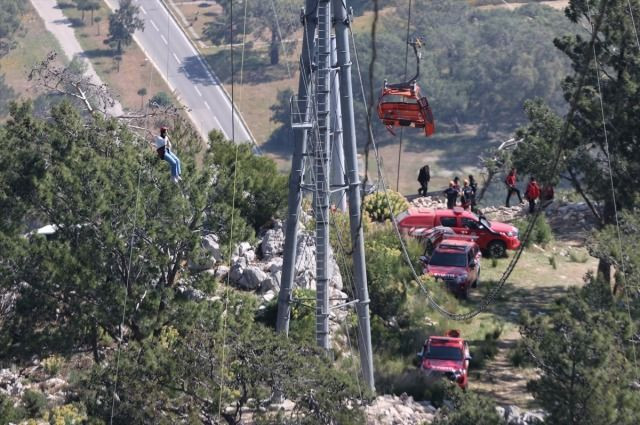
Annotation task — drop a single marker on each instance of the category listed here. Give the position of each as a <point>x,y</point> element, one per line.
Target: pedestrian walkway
<point>61,27</point>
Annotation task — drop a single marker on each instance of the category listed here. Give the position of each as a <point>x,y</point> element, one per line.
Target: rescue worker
<point>424,176</point>
<point>452,195</point>
<point>468,197</point>
<point>162,145</point>
<point>473,184</point>
<point>510,181</point>
<point>532,193</point>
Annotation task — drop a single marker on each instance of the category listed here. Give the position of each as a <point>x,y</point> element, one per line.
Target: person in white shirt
<point>163,147</point>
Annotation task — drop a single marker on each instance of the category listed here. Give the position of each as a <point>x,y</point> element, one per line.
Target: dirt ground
<point>533,286</point>
<point>556,4</point>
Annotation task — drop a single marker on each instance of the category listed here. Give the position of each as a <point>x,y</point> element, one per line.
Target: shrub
<point>519,356</point>
<point>541,233</point>
<point>8,413</point>
<point>578,257</point>
<point>553,262</point>
<point>68,414</point>
<point>379,208</point>
<point>52,365</point>
<point>160,100</point>
<point>34,402</point>
<point>485,350</point>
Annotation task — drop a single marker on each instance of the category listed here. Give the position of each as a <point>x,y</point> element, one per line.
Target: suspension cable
<point>406,63</point>
<point>493,293</point>
<point>227,285</point>
<point>124,304</point>
<point>633,22</point>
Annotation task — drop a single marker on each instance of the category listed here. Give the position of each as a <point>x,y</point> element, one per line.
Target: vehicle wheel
<point>497,249</point>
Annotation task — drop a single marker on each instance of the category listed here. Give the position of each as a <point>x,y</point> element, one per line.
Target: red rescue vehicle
<point>446,356</point>
<point>492,236</point>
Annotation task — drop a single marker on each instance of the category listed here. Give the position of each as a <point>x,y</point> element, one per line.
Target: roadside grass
<point>134,72</point>
<point>33,43</point>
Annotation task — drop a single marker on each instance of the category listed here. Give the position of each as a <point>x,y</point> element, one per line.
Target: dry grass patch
<point>134,71</point>
<point>33,42</point>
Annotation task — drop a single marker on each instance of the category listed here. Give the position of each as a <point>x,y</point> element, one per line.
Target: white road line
<point>176,58</point>
<point>207,105</point>
<point>153,24</point>
<point>220,127</point>
<point>143,11</point>
<point>197,91</point>
<point>164,39</point>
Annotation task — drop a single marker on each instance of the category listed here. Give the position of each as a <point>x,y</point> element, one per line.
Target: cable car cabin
<point>400,105</point>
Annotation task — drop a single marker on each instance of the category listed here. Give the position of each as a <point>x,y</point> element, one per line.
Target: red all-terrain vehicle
<point>446,356</point>
<point>492,236</point>
<point>455,262</point>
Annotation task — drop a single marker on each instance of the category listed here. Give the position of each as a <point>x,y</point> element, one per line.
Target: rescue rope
<point>406,64</point>
<point>124,304</point>
<point>494,292</point>
<point>227,285</point>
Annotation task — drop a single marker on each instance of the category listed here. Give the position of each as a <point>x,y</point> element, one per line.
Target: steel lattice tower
<point>324,129</point>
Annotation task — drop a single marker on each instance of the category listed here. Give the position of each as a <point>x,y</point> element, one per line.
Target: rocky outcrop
<point>512,415</point>
<point>399,410</point>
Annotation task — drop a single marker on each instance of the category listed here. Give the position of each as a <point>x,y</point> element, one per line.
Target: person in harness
<point>162,145</point>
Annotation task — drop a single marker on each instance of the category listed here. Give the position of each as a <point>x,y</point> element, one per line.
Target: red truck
<point>457,263</point>
<point>493,237</point>
<point>446,356</point>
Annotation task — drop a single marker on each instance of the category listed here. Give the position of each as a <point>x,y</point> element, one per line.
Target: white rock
<point>221,272</point>
<point>268,296</point>
<point>211,245</point>
<point>252,278</point>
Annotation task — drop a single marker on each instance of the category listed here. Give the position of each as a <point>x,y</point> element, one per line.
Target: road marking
<point>224,133</point>
<point>154,24</point>
<point>207,105</point>
<point>197,91</point>
<point>164,39</point>
<point>143,11</point>
<point>176,58</point>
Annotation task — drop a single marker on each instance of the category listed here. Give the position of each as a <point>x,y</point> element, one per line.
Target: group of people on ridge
<point>467,192</point>
<point>532,193</point>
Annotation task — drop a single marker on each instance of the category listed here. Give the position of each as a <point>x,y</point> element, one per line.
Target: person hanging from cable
<point>162,145</point>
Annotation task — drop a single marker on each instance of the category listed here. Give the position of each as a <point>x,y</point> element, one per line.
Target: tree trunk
<point>274,52</point>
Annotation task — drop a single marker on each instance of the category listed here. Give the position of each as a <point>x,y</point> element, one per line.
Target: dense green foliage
<point>584,351</point>
<point>125,232</point>
<point>10,13</point>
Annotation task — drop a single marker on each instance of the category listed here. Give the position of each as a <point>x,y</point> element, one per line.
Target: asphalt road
<point>180,65</point>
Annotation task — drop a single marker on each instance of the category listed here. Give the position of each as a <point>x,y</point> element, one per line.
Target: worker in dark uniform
<point>452,195</point>
<point>424,176</point>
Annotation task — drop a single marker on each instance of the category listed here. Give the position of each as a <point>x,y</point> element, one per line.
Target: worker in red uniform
<point>510,181</point>
<point>532,193</point>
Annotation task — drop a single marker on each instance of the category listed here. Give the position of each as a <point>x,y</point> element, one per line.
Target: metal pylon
<point>312,112</point>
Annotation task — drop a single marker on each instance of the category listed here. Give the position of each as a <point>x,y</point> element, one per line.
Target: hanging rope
<point>493,293</point>
<point>633,22</point>
<point>233,211</point>
<point>406,63</point>
<point>124,304</point>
